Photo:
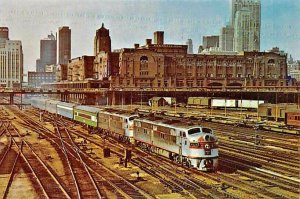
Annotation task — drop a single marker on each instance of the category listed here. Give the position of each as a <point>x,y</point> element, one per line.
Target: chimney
<point>148,41</point>
<point>136,46</point>
<point>159,37</point>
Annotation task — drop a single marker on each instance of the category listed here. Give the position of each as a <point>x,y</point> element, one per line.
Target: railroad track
<point>8,166</point>
<point>103,176</point>
<point>230,180</point>
<point>84,183</point>
<point>49,185</point>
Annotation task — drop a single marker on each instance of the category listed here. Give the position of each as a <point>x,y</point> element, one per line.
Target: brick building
<point>61,73</point>
<point>106,64</point>
<point>80,68</point>
<point>36,79</point>
<point>166,65</point>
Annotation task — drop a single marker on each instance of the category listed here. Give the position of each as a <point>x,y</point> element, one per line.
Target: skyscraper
<point>189,43</point>
<point>226,38</point>
<point>47,53</point>
<point>246,21</point>
<point>102,40</point>
<point>64,45</point>
<point>11,60</point>
<point>210,41</point>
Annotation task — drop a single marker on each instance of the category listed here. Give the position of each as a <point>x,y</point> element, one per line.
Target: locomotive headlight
<point>206,137</point>
<point>206,146</point>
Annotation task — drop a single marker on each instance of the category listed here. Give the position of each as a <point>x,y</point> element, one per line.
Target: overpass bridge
<point>119,95</point>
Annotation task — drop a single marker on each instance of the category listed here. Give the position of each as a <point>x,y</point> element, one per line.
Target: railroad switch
<point>138,175</point>
<point>49,157</point>
<point>224,186</point>
<point>41,136</point>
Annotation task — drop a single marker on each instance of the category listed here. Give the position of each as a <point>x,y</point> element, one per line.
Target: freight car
<point>222,103</point>
<point>292,118</point>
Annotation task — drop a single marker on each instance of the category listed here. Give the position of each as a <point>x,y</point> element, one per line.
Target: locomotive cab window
<point>193,131</point>
<point>132,118</point>
<point>206,130</point>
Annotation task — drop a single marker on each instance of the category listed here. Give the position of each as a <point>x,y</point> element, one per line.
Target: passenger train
<point>192,145</point>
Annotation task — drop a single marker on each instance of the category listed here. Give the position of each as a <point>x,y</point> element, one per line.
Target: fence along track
<point>49,185</point>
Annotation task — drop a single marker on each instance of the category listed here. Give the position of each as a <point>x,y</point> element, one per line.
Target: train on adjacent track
<point>292,118</point>
<point>220,103</point>
<point>192,145</point>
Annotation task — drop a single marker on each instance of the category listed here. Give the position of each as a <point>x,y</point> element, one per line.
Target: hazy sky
<point>132,21</point>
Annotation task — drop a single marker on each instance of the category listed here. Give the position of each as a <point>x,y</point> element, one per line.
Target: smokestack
<point>159,37</point>
<point>148,41</point>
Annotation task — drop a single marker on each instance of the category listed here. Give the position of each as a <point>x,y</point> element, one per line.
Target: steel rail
<point>69,165</point>
<point>41,162</point>
<point>40,128</point>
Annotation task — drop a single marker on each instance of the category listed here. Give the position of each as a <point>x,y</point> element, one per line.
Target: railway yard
<point>48,156</point>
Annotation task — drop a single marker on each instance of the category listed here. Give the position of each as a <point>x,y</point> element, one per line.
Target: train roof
<point>52,101</point>
<point>66,104</point>
<point>293,111</point>
<point>169,122</point>
<point>119,112</point>
<point>39,99</point>
<point>88,108</point>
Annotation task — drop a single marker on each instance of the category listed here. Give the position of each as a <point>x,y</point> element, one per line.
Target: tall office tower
<point>159,37</point>
<point>47,53</point>
<point>210,41</point>
<point>246,14</point>
<point>102,40</point>
<point>226,38</point>
<point>64,45</point>
<point>11,60</point>
<point>189,43</point>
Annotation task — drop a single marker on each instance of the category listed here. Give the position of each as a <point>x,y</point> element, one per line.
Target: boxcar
<point>199,101</point>
<point>292,118</point>
<point>87,115</point>
<point>249,104</point>
<point>51,106</point>
<point>39,103</point>
<point>221,103</point>
<point>66,109</point>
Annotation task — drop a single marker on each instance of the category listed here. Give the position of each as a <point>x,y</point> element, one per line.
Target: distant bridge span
<point>118,95</point>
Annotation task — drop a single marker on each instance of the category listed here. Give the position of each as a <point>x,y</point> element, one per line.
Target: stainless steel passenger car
<point>51,106</point>
<point>39,102</point>
<point>65,109</point>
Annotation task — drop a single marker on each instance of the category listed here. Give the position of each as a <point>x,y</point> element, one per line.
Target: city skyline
<point>131,22</point>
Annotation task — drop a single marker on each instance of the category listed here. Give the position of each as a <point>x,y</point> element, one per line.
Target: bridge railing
<point>157,89</point>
